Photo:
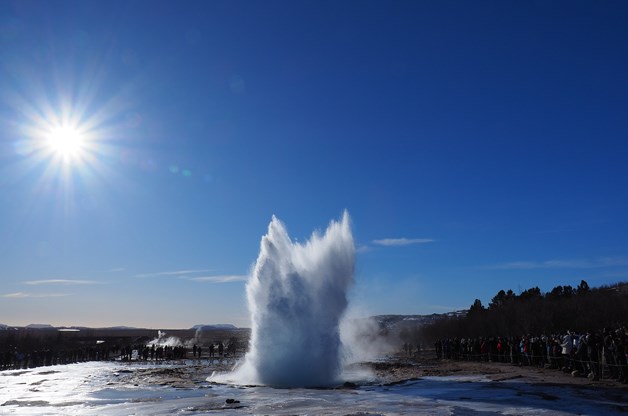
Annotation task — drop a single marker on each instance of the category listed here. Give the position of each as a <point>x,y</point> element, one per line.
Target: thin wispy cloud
<point>363,249</point>
<point>574,226</point>
<point>176,273</point>
<point>396,242</point>
<point>221,279</point>
<point>60,282</point>
<point>446,308</point>
<point>21,295</point>
<point>600,262</point>
<point>620,274</point>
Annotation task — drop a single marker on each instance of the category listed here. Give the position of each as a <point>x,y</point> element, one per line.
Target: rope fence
<point>606,366</point>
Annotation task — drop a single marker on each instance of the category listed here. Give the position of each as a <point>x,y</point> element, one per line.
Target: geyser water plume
<point>297,294</point>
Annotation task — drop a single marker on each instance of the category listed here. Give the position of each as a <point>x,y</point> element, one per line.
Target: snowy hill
<point>204,327</point>
<point>39,326</point>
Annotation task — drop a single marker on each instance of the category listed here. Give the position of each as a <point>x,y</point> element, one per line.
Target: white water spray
<point>297,294</point>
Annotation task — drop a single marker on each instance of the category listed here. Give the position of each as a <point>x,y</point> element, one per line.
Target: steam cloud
<point>163,340</point>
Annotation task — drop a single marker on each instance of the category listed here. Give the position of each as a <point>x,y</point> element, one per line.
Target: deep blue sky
<point>490,136</point>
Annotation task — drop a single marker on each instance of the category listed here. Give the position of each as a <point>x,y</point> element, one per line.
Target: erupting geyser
<point>297,294</point>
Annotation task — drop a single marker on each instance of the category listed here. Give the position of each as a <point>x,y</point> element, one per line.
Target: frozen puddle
<point>122,389</point>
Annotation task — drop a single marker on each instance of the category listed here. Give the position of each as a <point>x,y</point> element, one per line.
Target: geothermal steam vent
<point>297,294</point>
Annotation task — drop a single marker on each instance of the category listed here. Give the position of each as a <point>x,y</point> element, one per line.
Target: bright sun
<point>66,141</point>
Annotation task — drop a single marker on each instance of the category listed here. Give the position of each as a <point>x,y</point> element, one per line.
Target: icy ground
<point>108,388</point>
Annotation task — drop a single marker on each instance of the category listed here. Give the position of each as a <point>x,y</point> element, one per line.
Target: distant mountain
<point>4,327</point>
<point>39,326</point>
<point>120,327</point>
<point>203,327</point>
<point>399,322</point>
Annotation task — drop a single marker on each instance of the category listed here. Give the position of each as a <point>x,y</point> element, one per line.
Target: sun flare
<point>66,141</point>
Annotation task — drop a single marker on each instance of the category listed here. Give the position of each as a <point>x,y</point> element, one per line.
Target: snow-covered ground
<point>109,388</point>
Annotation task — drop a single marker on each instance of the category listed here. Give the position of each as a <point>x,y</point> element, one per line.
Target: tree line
<point>579,308</point>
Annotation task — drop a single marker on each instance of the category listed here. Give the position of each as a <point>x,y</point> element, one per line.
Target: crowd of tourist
<point>594,354</point>
<point>13,358</point>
